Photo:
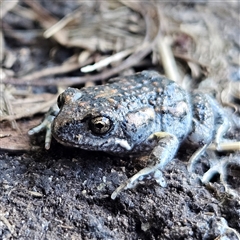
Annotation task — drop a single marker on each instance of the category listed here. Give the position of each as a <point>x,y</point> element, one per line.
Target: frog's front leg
<point>163,152</point>
<point>46,125</point>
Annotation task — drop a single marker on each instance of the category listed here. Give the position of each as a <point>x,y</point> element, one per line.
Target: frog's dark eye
<point>60,101</point>
<point>100,125</point>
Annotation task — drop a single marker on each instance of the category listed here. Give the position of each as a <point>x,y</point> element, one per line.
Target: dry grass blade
<point>138,54</point>
<point>30,109</point>
<point>47,20</point>
<point>62,23</point>
<point>168,60</point>
<point>67,66</point>
<point>226,146</point>
<point>6,6</point>
<point>7,223</point>
<point>70,81</point>
<point>105,62</point>
<point>2,47</point>
<point>6,107</point>
<point>103,30</point>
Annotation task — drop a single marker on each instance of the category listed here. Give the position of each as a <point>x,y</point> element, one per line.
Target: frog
<point>143,113</point>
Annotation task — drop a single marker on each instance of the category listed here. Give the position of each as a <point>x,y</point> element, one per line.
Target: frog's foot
<point>220,147</point>
<point>162,154</point>
<point>146,173</point>
<point>219,166</point>
<point>46,125</point>
<point>222,224</point>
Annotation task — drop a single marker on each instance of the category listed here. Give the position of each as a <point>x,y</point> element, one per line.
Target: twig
<point>62,23</point>
<point>6,6</point>
<point>129,62</point>
<point>227,146</point>
<point>46,20</point>
<point>7,223</point>
<point>190,59</point>
<point>167,57</point>
<point>105,62</point>
<point>168,60</point>
<point>26,114</point>
<point>9,109</point>
<point>64,68</point>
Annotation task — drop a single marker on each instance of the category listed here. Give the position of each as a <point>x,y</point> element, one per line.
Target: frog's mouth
<point>111,145</point>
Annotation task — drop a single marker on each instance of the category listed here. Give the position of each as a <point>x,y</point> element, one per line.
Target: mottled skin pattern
<point>145,112</point>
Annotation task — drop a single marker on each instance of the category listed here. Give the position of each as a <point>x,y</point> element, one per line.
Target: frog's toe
<point>48,137</point>
<point>146,173</point>
<point>158,176</point>
<point>37,129</point>
<point>128,184</point>
<point>44,126</point>
<point>119,189</point>
<point>219,166</point>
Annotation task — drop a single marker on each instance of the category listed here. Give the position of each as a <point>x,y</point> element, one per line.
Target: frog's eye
<point>60,101</point>
<point>100,125</point>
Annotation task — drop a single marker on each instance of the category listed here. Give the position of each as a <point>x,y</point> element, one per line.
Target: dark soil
<point>65,193</point>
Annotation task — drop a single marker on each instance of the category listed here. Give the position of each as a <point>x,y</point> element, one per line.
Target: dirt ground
<point>64,193</point>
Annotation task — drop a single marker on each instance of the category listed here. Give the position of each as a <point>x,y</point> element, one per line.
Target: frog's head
<point>92,120</point>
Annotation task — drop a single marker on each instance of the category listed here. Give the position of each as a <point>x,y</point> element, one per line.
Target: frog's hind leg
<point>221,126</point>
<point>203,125</point>
<point>162,154</point>
<point>217,165</point>
<point>221,122</point>
<point>220,165</point>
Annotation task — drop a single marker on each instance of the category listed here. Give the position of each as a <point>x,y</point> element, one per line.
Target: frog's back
<point>171,103</point>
